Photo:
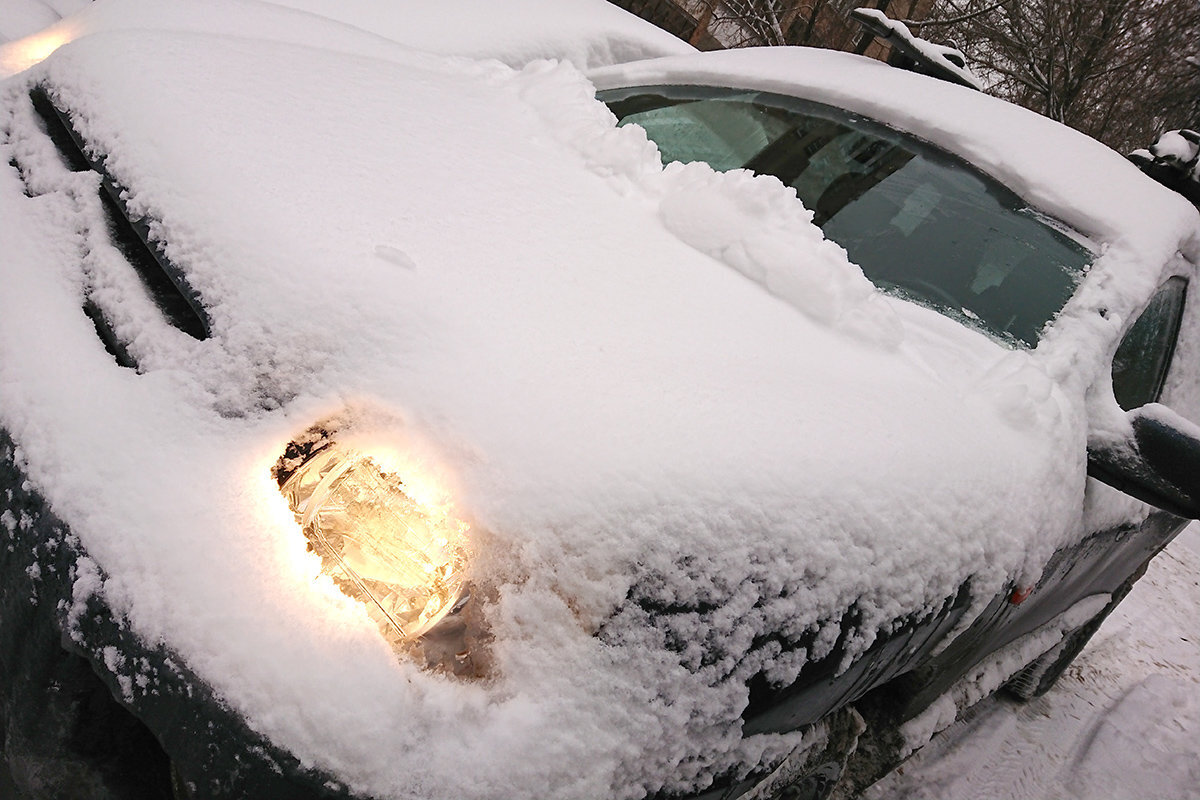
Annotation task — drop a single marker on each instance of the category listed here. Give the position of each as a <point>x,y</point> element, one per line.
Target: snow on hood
<point>506,290</point>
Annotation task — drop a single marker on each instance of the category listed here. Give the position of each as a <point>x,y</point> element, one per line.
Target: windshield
<point>920,223</point>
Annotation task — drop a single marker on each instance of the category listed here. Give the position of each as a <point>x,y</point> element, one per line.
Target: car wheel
<point>1040,675</point>
<point>818,775</point>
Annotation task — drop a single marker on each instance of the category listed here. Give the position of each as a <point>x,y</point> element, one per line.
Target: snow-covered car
<point>379,423</point>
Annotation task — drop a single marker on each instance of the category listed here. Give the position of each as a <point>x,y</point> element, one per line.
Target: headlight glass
<point>405,561</point>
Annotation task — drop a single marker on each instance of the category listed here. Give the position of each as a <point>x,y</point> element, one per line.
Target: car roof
<point>587,33</point>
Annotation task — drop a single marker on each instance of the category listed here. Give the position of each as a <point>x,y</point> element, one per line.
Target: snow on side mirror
<point>1159,464</point>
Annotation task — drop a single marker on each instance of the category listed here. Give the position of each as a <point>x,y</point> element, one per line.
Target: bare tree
<point>1122,71</point>
<point>764,21</point>
<point>752,22</point>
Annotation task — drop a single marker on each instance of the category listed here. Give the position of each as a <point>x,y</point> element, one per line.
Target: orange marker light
<point>1020,594</point>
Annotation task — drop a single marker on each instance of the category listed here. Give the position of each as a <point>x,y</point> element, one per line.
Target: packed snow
<point>624,376</point>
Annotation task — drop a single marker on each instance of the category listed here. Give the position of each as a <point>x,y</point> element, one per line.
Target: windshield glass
<point>920,223</point>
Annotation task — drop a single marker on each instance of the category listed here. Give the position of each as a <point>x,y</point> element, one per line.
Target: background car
<point>694,501</point>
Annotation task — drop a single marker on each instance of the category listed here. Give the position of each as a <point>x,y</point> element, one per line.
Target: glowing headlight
<point>403,560</point>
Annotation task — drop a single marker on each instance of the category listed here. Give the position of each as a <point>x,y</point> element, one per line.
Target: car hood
<point>628,380</point>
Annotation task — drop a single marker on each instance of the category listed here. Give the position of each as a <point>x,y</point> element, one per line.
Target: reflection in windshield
<point>919,222</point>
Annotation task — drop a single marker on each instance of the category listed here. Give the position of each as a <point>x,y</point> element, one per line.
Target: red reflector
<point>1019,595</point>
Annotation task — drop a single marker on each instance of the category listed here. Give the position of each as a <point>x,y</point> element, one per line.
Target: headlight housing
<point>405,561</point>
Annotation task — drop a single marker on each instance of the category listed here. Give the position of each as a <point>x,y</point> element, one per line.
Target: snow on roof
<point>588,33</point>
<point>512,296</point>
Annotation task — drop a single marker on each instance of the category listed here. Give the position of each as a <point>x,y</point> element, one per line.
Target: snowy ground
<point>1124,721</point>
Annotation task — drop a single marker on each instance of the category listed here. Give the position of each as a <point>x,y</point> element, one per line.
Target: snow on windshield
<point>492,280</point>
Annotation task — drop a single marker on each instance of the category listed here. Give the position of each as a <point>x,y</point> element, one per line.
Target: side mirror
<point>1159,465</point>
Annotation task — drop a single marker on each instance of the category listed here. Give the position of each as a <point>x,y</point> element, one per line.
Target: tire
<point>1040,675</point>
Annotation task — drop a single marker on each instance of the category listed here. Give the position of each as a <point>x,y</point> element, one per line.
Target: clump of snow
<point>752,223</point>
<point>88,583</point>
<point>759,231</point>
<point>1174,161</point>
<point>1179,147</point>
<point>114,662</point>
